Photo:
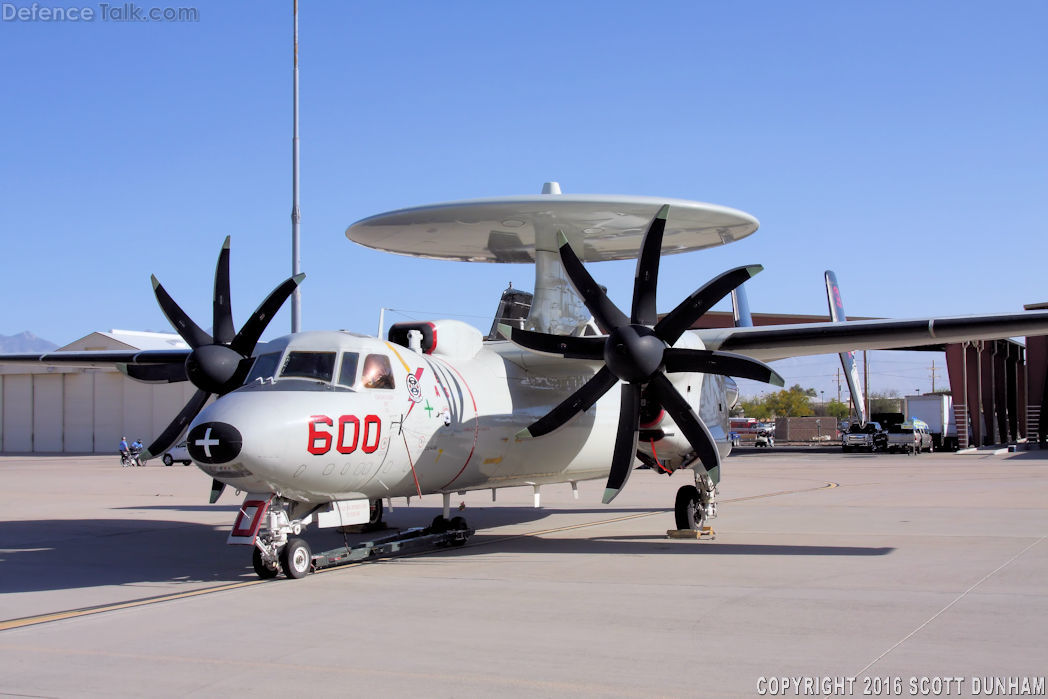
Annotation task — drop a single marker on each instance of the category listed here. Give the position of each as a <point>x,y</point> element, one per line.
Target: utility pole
<point>296,263</point>
<point>933,376</point>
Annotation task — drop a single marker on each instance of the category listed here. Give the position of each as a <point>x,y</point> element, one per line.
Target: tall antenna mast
<point>296,263</point>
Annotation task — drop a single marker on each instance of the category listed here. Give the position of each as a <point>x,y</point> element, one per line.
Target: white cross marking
<point>207,442</point>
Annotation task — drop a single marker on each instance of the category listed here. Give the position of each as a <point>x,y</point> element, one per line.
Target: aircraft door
<point>375,426</point>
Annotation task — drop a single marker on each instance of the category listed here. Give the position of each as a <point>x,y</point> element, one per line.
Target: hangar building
<point>47,409</point>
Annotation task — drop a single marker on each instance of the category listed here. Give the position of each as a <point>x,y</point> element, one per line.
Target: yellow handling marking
<point>495,460</point>
<point>440,452</point>
<point>394,351</point>
<point>73,613</point>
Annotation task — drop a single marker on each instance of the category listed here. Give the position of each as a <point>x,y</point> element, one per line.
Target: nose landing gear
<point>695,504</point>
<point>277,547</point>
<point>296,559</point>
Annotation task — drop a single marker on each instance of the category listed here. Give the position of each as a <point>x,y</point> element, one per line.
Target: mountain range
<point>25,342</point>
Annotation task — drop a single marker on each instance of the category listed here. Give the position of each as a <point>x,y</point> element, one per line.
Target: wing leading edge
<point>770,342</point>
<point>99,358</point>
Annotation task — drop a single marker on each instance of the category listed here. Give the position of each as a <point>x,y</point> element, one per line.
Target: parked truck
<point>869,437</point>
<point>911,437</point>
<point>937,411</point>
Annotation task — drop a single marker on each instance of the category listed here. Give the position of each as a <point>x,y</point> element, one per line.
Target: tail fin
<point>851,371</point>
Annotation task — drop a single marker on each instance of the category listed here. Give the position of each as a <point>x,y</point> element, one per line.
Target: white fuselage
<point>447,424</point>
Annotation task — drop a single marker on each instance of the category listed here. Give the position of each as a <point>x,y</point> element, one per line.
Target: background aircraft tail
<point>851,371</point>
<point>740,307</point>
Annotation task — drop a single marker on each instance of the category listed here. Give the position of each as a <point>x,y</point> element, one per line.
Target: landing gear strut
<point>277,546</point>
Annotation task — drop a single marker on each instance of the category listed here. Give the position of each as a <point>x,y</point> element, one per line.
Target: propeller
<point>637,351</point>
<point>218,364</point>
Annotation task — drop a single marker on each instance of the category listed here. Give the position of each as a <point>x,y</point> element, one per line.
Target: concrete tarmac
<point>900,572</point>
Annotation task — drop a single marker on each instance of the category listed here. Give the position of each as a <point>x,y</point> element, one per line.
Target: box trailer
<point>937,410</point>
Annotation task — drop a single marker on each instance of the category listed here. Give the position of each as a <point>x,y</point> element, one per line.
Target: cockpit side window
<point>265,367</point>
<point>309,365</point>
<point>347,373</point>
<point>377,372</point>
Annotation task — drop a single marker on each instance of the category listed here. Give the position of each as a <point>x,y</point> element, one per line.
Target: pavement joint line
<point>10,624</point>
<point>957,599</point>
<point>112,607</point>
<point>547,687</point>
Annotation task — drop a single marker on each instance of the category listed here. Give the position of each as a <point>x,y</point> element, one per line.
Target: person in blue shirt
<point>124,452</point>
<point>136,449</point>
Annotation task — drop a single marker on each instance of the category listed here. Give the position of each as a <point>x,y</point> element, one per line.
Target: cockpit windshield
<point>347,375</point>
<point>265,367</point>
<point>309,365</point>
<point>316,365</point>
<point>377,372</point>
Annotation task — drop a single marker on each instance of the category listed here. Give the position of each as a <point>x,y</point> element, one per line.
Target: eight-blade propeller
<point>217,364</point>
<point>638,352</point>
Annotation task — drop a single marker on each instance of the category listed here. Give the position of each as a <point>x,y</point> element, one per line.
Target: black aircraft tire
<point>686,508</point>
<point>261,569</point>
<point>458,524</point>
<point>296,559</point>
<point>376,512</point>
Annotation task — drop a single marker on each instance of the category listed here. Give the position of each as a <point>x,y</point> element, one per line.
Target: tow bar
<point>407,541</point>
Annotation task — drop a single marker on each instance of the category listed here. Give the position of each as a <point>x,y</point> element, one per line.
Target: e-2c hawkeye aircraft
<point>321,427</point>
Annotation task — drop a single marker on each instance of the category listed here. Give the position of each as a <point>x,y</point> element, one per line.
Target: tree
<point>792,402</point>
<point>887,402</point>
<point>836,409</point>
<point>756,408</point>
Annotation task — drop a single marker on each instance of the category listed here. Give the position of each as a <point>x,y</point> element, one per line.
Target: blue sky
<point>901,144</point>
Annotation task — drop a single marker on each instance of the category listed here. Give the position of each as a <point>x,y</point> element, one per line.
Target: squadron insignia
<point>414,387</point>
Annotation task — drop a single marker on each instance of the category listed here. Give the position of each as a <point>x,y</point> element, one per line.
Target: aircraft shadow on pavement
<point>68,554</point>
<point>40,555</point>
<point>45,555</point>
<point>634,545</point>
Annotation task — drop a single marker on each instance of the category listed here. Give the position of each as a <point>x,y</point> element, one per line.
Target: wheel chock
<point>701,533</point>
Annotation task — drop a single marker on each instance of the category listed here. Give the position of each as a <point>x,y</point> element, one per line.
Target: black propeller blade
<point>637,351</point>
<point>646,280</point>
<point>177,426</point>
<point>625,449</point>
<point>606,313</point>
<point>674,323</point>
<point>566,346</point>
<point>222,324</point>
<point>577,402</point>
<point>717,362</point>
<point>155,373</point>
<point>216,365</point>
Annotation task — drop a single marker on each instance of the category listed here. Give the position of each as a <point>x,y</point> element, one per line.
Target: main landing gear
<point>696,503</point>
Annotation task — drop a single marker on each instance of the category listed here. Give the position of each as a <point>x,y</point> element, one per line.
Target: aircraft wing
<point>770,342</point>
<point>99,358</point>
<point>151,366</point>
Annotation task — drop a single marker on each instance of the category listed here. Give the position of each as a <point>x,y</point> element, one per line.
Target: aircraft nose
<point>214,442</point>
